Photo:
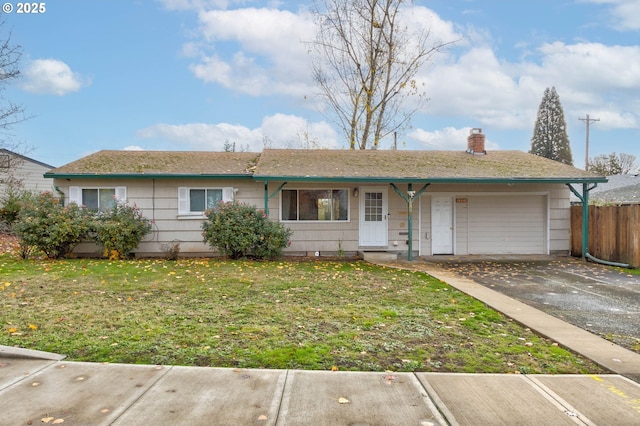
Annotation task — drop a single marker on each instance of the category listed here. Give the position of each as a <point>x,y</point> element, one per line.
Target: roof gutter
<point>408,179</point>
<point>145,176</point>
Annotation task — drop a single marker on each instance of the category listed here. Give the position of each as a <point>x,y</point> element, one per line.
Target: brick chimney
<point>475,142</point>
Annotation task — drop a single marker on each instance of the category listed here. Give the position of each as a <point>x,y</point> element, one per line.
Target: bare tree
<point>365,61</point>
<point>10,113</point>
<point>613,164</point>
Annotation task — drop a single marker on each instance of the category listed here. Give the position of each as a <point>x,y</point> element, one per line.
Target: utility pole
<point>588,122</point>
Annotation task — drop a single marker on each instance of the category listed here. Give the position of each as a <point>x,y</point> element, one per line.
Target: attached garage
<point>508,224</point>
<point>486,222</point>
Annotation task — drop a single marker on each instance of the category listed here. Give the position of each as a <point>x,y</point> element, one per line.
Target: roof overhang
<point>408,179</point>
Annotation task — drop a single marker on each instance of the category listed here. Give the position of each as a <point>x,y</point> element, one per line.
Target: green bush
<point>239,230</point>
<point>44,223</point>
<point>11,203</point>
<point>120,229</point>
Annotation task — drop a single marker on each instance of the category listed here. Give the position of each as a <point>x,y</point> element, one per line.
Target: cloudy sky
<point>192,74</point>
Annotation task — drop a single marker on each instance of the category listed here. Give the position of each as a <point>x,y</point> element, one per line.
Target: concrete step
<point>378,256</point>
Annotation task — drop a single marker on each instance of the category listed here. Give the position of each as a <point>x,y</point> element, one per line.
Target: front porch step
<point>377,256</point>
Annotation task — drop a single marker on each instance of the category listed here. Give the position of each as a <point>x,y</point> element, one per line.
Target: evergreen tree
<point>550,137</point>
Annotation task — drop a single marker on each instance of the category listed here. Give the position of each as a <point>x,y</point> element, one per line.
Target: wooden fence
<point>614,233</point>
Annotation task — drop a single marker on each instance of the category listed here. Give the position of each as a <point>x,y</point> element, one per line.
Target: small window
<point>98,199</point>
<point>196,201</point>
<point>203,199</point>
<point>315,204</point>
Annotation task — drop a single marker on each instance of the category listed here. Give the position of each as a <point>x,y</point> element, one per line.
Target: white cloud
<point>260,52</point>
<point>588,76</point>
<point>133,148</point>
<point>52,77</point>
<point>268,52</point>
<point>278,131</point>
<point>448,138</point>
<point>625,13</point>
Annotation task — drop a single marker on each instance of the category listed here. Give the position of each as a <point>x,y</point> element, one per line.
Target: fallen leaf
<point>46,419</point>
<point>334,368</point>
<point>262,417</point>
<point>33,326</point>
<point>34,384</point>
<point>104,410</point>
<point>57,421</point>
<point>343,400</point>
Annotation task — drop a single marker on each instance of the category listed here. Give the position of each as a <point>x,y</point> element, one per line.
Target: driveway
<point>599,299</point>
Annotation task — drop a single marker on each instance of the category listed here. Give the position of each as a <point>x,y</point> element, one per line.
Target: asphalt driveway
<point>599,299</point>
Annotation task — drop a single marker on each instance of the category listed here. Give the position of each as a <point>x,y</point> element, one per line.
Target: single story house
<point>343,201</point>
<point>23,172</point>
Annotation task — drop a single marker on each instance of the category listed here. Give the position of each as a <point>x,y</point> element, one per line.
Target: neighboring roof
<point>25,158</point>
<point>620,189</point>
<point>329,165</point>
<point>159,164</point>
<point>415,166</point>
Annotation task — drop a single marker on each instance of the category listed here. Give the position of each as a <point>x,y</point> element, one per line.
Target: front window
<point>193,202</point>
<point>315,204</point>
<point>99,199</point>
<point>201,200</point>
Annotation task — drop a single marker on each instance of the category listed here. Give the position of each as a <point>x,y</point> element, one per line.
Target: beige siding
<point>158,200</point>
<point>28,173</point>
<point>461,225</point>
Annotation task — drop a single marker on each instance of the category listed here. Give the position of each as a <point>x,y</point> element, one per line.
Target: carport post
<point>409,197</point>
<point>585,220</point>
<point>584,199</point>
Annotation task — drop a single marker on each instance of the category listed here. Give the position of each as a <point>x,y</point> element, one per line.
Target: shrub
<point>11,203</point>
<point>44,223</point>
<point>239,230</point>
<point>120,229</point>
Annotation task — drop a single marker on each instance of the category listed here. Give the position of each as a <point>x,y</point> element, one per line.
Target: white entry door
<point>373,217</point>
<point>442,225</point>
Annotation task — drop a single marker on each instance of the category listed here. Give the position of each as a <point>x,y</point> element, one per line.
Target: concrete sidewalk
<point>52,391</point>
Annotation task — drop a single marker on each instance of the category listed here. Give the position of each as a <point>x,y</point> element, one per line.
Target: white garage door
<point>510,224</point>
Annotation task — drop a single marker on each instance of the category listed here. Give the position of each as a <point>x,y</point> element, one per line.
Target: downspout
<point>584,199</point>
<point>409,197</point>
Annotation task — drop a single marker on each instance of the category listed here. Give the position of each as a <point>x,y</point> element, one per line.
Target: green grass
<point>283,314</point>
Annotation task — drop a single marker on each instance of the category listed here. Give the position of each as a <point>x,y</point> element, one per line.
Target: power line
<point>588,122</point>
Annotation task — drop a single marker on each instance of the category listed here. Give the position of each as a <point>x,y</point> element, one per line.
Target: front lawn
<point>282,314</point>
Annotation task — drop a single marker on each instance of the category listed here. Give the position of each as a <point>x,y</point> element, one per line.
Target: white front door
<point>442,225</point>
<point>373,217</point>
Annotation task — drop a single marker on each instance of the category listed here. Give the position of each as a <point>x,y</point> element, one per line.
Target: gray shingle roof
<point>109,163</point>
<point>274,164</point>
<point>422,165</point>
